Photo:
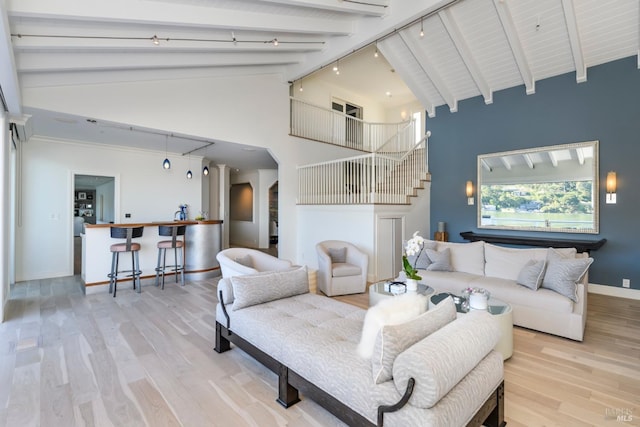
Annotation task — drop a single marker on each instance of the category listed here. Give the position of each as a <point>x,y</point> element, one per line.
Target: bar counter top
<point>155,223</point>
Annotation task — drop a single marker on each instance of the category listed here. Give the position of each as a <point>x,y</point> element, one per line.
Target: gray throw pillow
<point>532,274</point>
<point>394,339</point>
<point>422,261</point>
<point>562,275</point>
<point>338,255</point>
<point>440,260</point>
<point>252,289</point>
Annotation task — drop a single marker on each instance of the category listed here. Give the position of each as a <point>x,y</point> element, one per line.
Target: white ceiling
<point>471,48</point>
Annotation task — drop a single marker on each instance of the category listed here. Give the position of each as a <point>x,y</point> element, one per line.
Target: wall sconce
<point>612,185</point>
<point>469,190</point>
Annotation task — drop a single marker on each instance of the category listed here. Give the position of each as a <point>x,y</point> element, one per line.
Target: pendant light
<point>166,164</point>
<point>189,174</point>
<point>205,170</point>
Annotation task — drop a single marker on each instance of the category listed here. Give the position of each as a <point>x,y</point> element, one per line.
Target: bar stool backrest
<point>173,231</point>
<point>126,233</point>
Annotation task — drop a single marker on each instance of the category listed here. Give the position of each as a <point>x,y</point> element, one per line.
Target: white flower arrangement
<point>414,247</point>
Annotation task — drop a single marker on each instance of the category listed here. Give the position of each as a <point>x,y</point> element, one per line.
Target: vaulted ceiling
<point>467,48</point>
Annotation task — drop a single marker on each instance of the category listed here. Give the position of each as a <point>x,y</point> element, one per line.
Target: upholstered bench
<point>448,377</point>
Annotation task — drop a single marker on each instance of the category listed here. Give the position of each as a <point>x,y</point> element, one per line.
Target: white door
<point>389,248</point>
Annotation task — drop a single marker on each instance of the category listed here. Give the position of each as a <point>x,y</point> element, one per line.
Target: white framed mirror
<point>553,189</point>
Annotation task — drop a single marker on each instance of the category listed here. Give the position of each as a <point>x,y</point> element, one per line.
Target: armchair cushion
<point>344,270</point>
<point>245,260</point>
<point>255,289</point>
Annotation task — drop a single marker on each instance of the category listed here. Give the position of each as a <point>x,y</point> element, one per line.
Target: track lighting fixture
<point>421,29</point>
<point>155,40</point>
<point>189,174</point>
<point>301,89</point>
<point>205,171</point>
<point>275,42</point>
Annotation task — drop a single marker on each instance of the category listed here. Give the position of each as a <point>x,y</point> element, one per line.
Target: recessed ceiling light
<point>388,94</point>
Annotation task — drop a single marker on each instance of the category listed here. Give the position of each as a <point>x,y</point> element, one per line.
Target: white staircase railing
<point>323,124</point>
<point>383,178</point>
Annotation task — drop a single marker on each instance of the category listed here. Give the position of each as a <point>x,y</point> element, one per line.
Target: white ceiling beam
<point>553,159</point>
<point>421,57</point>
<point>390,50</point>
<point>26,44</point>
<point>365,7</point>
<point>506,163</point>
<point>8,77</point>
<point>529,161</point>
<point>175,14</point>
<point>574,40</point>
<point>467,56</point>
<point>580,155</point>
<point>513,39</point>
<point>485,165</point>
<point>60,61</point>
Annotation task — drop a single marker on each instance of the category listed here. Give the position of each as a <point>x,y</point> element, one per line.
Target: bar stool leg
<point>181,266</point>
<point>158,267</point>
<point>115,277</point>
<point>164,264</point>
<point>137,272</point>
<point>113,271</point>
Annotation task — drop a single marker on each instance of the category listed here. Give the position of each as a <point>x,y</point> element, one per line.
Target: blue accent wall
<point>606,108</point>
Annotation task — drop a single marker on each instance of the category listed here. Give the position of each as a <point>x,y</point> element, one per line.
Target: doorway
<point>352,133</point>
<point>93,203</point>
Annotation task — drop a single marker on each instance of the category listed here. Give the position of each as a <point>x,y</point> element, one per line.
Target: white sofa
<point>432,370</point>
<point>497,269</point>
<point>241,261</point>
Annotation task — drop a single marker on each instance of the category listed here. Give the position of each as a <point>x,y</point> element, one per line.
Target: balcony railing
<point>377,178</point>
<point>323,124</point>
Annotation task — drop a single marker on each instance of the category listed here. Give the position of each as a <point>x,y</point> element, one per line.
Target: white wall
<point>44,238</point>
<point>207,108</point>
<point>5,212</point>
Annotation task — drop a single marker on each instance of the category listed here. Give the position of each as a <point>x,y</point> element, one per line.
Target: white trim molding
<point>614,291</point>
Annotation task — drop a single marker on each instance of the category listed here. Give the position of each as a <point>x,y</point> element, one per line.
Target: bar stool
<point>174,231</point>
<point>127,233</point>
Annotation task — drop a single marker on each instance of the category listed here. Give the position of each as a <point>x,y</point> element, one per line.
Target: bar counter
<point>203,241</point>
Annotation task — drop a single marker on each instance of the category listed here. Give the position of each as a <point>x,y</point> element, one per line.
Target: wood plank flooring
<point>147,360</point>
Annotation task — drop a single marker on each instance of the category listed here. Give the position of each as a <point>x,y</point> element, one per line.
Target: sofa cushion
<point>508,291</point>
<point>390,311</point>
<point>465,257</point>
<point>563,274</point>
<point>442,359</point>
<point>440,260</point>
<point>392,340</point>
<point>507,263</point>
<point>422,261</point>
<point>343,270</point>
<point>532,274</point>
<point>337,255</point>
<point>255,289</point>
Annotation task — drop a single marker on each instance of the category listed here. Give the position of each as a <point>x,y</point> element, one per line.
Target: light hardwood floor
<point>146,359</point>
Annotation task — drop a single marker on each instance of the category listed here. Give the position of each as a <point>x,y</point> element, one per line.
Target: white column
<point>5,212</point>
<point>225,186</point>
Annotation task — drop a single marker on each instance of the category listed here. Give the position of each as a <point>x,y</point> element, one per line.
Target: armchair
<point>241,261</point>
<point>342,268</point>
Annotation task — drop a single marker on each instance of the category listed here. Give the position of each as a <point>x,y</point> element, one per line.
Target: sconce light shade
<point>166,164</point>
<point>205,171</point>
<point>612,186</point>
<point>469,190</point>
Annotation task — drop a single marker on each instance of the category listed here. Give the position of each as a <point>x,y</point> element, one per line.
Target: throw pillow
<point>338,255</point>
<point>394,339</point>
<point>422,261</point>
<point>440,260</point>
<point>245,260</point>
<point>390,311</point>
<point>563,274</point>
<point>252,289</point>
<point>532,274</point>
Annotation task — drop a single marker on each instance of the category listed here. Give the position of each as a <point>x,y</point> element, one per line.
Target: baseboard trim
<point>614,291</point>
